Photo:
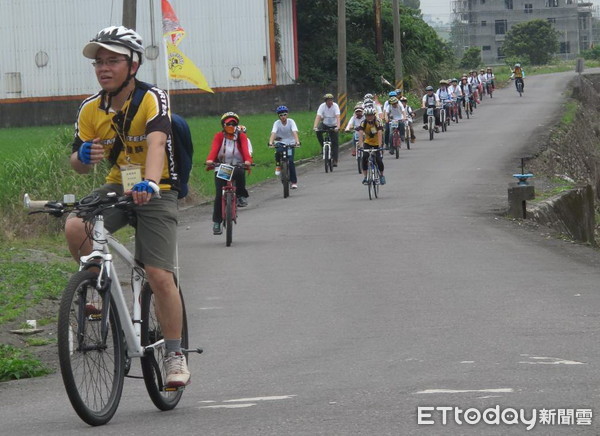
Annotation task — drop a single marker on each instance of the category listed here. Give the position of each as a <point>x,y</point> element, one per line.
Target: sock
<point>173,345</point>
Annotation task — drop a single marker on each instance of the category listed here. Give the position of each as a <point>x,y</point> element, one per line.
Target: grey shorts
<point>156,228</point>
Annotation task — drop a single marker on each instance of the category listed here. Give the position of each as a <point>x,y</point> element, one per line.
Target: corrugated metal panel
<point>228,40</point>
<point>286,65</point>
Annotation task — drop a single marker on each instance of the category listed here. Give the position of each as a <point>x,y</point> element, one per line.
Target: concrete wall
<point>571,213</point>
<point>296,97</point>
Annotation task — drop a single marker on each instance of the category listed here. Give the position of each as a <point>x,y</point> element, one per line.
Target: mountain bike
<point>395,138</point>
<point>490,88</point>
<point>358,152</point>
<point>519,83</point>
<point>408,132</point>
<point>453,109</point>
<point>229,197</point>
<point>97,334</point>
<point>431,121</point>
<point>284,152</point>
<point>327,158</point>
<point>373,173</point>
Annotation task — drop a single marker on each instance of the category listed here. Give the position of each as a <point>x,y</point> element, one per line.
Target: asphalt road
<point>335,315</point>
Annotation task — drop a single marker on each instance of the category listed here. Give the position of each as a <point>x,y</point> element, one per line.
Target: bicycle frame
<point>130,322</point>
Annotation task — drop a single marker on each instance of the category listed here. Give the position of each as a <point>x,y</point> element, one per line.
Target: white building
<point>247,44</point>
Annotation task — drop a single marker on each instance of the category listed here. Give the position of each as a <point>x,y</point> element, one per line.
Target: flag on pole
<point>171,27</point>
<point>182,68</point>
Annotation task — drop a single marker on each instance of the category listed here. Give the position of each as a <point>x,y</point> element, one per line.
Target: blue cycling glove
<point>84,154</point>
<point>148,186</point>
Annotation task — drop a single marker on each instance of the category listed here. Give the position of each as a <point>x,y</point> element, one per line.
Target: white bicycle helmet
<point>118,39</point>
<point>369,110</point>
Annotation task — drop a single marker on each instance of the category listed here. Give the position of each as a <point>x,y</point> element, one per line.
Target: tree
<point>424,55</point>
<point>471,58</point>
<point>535,40</point>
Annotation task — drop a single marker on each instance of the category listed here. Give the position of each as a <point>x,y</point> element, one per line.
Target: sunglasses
<point>283,115</point>
<point>231,123</point>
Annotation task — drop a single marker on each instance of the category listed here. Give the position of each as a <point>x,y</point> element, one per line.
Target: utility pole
<point>341,62</point>
<point>378,32</point>
<point>398,66</point>
<point>129,13</point>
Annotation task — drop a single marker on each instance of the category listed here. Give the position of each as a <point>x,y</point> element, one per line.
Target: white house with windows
<point>484,23</point>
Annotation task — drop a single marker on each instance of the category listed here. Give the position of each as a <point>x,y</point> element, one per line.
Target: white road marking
<point>228,406</point>
<point>273,398</point>
<point>463,391</point>
<point>210,308</point>
<point>468,361</point>
<point>551,361</point>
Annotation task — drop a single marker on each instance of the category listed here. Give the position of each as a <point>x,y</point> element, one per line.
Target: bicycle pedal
<point>173,389</point>
<point>193,350</point>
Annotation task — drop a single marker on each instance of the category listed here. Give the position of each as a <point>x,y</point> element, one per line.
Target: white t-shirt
<point>396,113</point>
<point>230,153</point>
<point>329,114</point>
<point>284,133</point>
<point>354,122</point>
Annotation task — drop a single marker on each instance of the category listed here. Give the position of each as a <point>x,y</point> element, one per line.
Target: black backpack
<point>180,135</point>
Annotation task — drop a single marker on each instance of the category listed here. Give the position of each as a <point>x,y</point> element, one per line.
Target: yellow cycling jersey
<point>93,121</point>
<point>371,128</point>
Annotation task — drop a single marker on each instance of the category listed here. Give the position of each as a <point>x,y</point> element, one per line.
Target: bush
<point>471,59</point>
<point>593,53</point>
<point>16,364</point>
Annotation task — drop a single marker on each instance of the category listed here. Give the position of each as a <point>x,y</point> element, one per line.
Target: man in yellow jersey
<point>140,151</point>
<point>370,138</point>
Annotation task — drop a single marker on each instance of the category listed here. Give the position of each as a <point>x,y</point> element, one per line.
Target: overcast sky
<point>440,8</point>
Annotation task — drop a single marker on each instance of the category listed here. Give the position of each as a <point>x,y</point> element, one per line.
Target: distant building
<point>485,23</point>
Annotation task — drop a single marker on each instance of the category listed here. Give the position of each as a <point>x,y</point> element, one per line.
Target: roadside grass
<point>558,186</point>
<point>16,363</point>
<point>570,112</point>
<point>31,271</point>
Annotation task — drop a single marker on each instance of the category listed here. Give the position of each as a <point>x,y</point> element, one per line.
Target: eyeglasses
<point>109,62</point>
<point>231,123</point>
<point>283,115</point>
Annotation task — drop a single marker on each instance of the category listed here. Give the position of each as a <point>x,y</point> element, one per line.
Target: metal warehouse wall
<point>41,43</point>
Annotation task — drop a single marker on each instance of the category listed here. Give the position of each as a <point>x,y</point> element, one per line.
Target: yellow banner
<point>182,68</point>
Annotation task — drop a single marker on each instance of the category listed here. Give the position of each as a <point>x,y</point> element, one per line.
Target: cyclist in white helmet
<point>137,144</point>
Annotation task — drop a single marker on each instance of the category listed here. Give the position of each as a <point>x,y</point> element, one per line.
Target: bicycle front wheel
<point>326,157</point>
<point>153,366</point>
<point>90,349</point>
<point>229,219</point>
<point>285,178</point>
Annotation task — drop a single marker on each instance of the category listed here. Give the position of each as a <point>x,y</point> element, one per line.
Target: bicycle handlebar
<point>283,144</point>
<point>88,206</point>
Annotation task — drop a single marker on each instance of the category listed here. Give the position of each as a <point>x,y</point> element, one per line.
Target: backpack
<point>181,137</point>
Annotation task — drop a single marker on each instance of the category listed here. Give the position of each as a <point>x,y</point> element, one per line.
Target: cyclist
<point>229,146</point>
<point>456,94</point>
<point>354,122</point>
<point>409,115</point>
<point>489,77</point>
<point>142,166</point>
<point>386,104</point>
<point>285,130</point>
<point>475,85</point>
<point>444,96</point>
<point>370,138</point>
<point>467,93</point>
<point>328,118</point>
<point>518,73</point>
<point>431,100</point>
<point>395,112</point>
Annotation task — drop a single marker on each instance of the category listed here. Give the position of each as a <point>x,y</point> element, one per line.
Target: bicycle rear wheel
<point>285,178</point>
<point>90,349</point>
<point>153,366</point>
<point>359,161</point>
<point>229,218</point>
<point>396,143</point>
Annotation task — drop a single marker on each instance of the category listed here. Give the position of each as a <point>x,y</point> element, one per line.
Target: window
<point>508,4</point>
<point>500,27</point>
<point>551,20</point>
<point>528,8</point>
<point>500,53</point>
<point>551,3</point>
<point>565,47</point>
<point>483,23</point>
<point>486,47</point>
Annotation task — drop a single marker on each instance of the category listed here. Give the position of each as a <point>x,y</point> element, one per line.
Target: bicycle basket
<point>225,172</point>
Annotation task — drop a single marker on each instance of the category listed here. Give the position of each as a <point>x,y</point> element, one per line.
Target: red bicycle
<point>229,197</point>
